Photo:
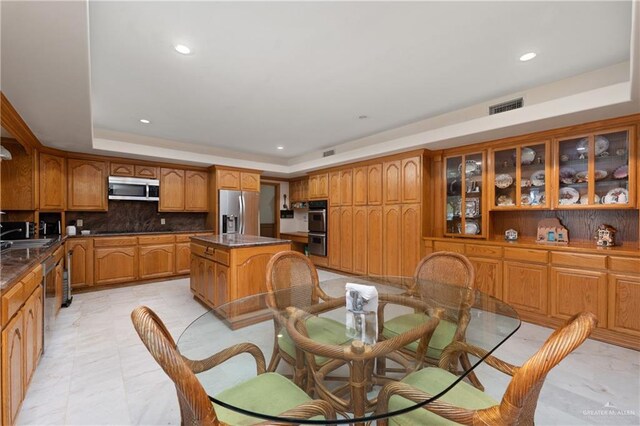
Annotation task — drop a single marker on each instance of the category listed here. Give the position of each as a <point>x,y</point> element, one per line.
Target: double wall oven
<point>317,228</point>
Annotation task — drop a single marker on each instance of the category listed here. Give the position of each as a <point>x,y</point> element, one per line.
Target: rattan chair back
<point>294,271</point>
<point>446,268</point>
<point>195,406</point>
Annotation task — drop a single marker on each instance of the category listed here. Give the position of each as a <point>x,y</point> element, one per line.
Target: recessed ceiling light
<point>145,121</point>
<point>527,56</point>
<point>281,147</point>
<point>363,117</point>
<point>181,48</point>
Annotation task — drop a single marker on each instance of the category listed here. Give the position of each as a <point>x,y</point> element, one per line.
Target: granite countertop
<point>15,262</point>
<point>296,233</point>
<point>238,240</point>
<point>127,233</point>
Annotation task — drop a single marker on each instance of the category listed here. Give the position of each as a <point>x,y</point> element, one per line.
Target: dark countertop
<point>15,262</point>
<point>125,233</point>
<point>237,240</point>
<point>296,234</point>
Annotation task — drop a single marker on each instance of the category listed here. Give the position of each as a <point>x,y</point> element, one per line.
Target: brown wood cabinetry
<point>183,258</point>
<point>13,368</point>
<point>624,303</point>
<point>578,290</point>
<point>172,184</point>
<point>250,181</point>
<point>53,175</point>
<point>391,182</point>
<point>32,317</point>
<point>156,260</point>
<point>346,187</point>
<point>525,286</point>
<point>81,261</point>
<point>360,187</point>
<point>148,172</point>
<point>374,240</point>
<point>374,184</point>
<point>346,239</point>
<point>334,188</point>
<point>360,241</point>
<point>228,179</point>
<point>196,191</point>
<point>334,243</point>
<point>392,237</point>
<point>410,238</point>
<point>86,185</point>
<point>18,176</point>
<point>319,186</point>
<point>121,169</point>
<point>488,275</point>
<point>299,190</point>
<point>115,264</point>
<point>410,180</point>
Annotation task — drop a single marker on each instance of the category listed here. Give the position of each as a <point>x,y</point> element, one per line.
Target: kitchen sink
<point>27,244</point>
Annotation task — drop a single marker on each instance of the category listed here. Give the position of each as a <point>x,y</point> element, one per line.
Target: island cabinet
<point>53,178</point>
<point>87,185</point>
<point>115,260</point>
<point>230,267</point>
<point>21,319</point>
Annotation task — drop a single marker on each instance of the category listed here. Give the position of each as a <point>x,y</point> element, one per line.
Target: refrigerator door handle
<point>241,225</point>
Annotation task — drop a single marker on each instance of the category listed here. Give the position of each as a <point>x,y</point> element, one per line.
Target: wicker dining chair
<point>467,405</point>
<point>290,270</point>
<point>446,268</point>
<point>277,395</point>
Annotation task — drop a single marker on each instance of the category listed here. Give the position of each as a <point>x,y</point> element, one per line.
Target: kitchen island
<point>232,266</point>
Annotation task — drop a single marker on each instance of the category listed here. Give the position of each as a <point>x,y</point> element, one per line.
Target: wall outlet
<point>79,222</point>
<point>163,221</point>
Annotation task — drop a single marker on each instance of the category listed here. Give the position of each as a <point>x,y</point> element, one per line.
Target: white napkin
<point>362,302</point>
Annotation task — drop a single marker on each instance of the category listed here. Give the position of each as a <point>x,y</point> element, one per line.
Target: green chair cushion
<point>322,330</point>
<point>268,393</point>
<point>433,380</point>
<point>442,336</point>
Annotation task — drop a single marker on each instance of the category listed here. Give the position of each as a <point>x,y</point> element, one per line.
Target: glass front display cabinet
<point>520,177</point>
<point>465,189</point>
<point>596,170</point>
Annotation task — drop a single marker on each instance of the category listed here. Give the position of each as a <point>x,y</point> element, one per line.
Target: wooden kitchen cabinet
<point>195,282</point>
<point>578,290</point>
<point>53,175</point>
<point>374,240</point>
<point>624,302</point>
<point>86,185</point>
<point>147,172</point>
<point>319,186</point>
<point>18,176</point>
<point>172,185</point>
<point>334,237</point>
<point>13,366</point>
<point>32,317</point>
<point>346,187</point>
<point>298,190</point>
<point>221,290</point>
<point>411,238</point>
<point>334,189</point>
<point>121,169</point>
<point>183,258</point>
<point>360,187</point>
<point>360,240</point>
<point>488,275</point>
<point>156,260</point>
<point>346,239</point>
<point>250,181</point>
<point>391,182</point>
<point>374,184</point>
<point>115,264</point>
<point>228,179</point>
<point>81,261</point>
<point>392,237</point>
<point>411,180</point>
<point>525,286</point>
<point>196,191</point>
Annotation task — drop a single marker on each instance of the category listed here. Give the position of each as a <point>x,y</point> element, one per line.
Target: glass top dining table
<point>489,323</point>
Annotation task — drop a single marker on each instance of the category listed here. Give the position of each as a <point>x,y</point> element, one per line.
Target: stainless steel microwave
<point>126,188</point>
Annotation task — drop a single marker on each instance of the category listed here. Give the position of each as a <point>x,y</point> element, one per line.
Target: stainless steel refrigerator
<point>239,212</point>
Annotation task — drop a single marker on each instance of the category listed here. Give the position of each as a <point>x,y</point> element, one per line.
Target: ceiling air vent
<point>329,153</point>
<point>505,106</point>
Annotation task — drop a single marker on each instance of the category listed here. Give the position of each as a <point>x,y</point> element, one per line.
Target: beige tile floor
<point>96,370</point>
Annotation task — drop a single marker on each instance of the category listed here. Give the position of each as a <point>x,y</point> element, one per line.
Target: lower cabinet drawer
<point>447,246</point>
<point>526,255</point>
<point>11,301</point>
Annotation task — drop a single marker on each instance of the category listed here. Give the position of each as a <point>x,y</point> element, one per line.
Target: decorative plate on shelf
<point>568,196</point>
<point>470,167</point>
<point>581,177</point>
<point>527,155</point>
<point>582,146</point>
<point>525,183</point>
<point>471,227</point>
<point>621,172</point>
<point>601,174</point>
<point>584,199</point>
<point>503,181</point>
<point>567,175</point>
<point>602,144</point>
<point>537,178</point>
<point>504,200</point>
<point>617,196</point>
<point>525,200</point>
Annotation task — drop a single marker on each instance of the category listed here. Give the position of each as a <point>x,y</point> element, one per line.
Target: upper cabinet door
<point>334,188</point>
<point>147,172</point>
<point>360,186</point>
<point>249,181</point>
<point>391,182</point>
<point>171,190</point>
<point>319,186</point>
<point>52,182</point>
<point>346,187</point>
<point>411,180</point>
<point>228,179</point>
<point>86,185</point>
<point>122,169</point>
<point>196,191</point>
<point>374,184</point>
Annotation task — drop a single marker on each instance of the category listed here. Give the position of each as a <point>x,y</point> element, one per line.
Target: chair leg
<point>275,355</point>
<point>473,379</point>
<point>381,366</point>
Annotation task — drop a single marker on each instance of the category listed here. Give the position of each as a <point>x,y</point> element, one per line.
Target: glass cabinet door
<point>504,177</point>
<point>464,180</point>
<point>519,177</point>
<point>594,171</point>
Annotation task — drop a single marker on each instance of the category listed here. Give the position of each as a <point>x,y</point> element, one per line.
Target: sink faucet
<point>2,234</point>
